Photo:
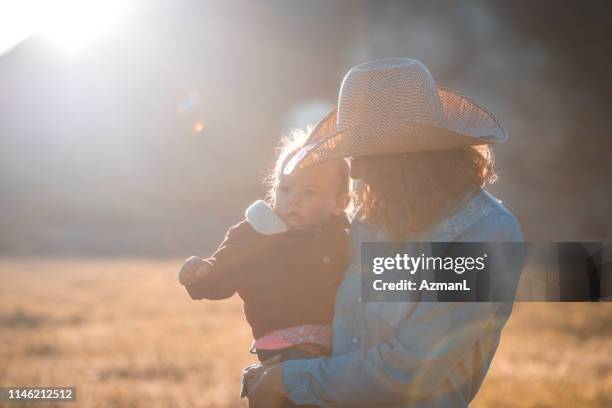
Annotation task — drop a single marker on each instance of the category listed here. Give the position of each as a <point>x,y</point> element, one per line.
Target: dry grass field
<point>127,335</point>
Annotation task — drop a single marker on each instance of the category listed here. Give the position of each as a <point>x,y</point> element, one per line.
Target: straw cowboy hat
<point>394,106</point>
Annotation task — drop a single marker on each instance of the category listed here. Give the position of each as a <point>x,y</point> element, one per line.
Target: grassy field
<point>127,335</point>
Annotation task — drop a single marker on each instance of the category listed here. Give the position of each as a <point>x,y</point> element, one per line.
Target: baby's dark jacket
<point>285,277</point>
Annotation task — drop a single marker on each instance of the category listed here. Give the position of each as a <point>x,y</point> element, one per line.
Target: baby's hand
<point>193,270</point>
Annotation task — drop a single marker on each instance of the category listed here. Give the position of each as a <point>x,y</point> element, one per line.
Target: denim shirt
<point>409,354</point>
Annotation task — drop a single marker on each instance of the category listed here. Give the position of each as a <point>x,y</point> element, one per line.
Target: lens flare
<point>188,104</point>
<point>198,127</point>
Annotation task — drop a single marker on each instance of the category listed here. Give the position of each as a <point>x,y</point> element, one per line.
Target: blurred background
<point>133,133</point>
<point>145,128</point>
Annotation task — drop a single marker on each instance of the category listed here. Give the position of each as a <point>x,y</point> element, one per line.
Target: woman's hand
<point>265,386</point>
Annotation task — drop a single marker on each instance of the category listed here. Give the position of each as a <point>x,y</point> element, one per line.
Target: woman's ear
<point>342,201</point>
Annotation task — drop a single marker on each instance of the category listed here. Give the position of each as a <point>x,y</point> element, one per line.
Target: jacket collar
<point>264,219</point>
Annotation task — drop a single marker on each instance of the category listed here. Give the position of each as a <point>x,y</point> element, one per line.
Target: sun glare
<point>76,23</point>
<point>72,24</point>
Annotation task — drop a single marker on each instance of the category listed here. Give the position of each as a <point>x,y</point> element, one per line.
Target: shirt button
<point>325,259</point>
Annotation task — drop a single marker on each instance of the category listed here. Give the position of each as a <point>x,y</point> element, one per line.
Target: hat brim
<point>467,124</point>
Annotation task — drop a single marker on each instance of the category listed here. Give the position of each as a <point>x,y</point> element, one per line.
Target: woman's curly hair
<point>409,192</point>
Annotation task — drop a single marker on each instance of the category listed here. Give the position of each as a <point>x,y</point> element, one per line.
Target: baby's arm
<point>216,277</point>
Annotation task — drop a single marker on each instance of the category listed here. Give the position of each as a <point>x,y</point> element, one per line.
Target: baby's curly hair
<point>287,148</point>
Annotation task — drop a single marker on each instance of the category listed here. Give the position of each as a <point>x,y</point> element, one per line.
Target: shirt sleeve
<point>415,363</point>
<point>226,265</point>
<point>410,366</point>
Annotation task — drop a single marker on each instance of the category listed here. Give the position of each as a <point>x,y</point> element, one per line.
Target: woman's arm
<point>409,366</point>
<point>422,356</point>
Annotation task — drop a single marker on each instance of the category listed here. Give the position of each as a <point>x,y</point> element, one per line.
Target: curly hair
<point>409,192</point>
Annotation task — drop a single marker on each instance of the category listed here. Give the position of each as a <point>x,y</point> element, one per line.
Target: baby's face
<point>308,197</point>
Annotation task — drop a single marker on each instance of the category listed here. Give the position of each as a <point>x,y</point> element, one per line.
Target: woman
<point>422,158</point>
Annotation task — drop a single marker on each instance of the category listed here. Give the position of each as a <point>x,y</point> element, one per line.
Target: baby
<point>285,260</point>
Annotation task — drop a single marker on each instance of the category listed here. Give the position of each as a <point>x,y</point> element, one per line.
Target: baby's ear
<point>342,201</point>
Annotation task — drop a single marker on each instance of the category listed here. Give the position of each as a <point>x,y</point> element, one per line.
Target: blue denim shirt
<point>409,354</point>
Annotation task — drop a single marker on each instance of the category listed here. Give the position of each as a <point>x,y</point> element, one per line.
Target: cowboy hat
<point>394,106</point>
